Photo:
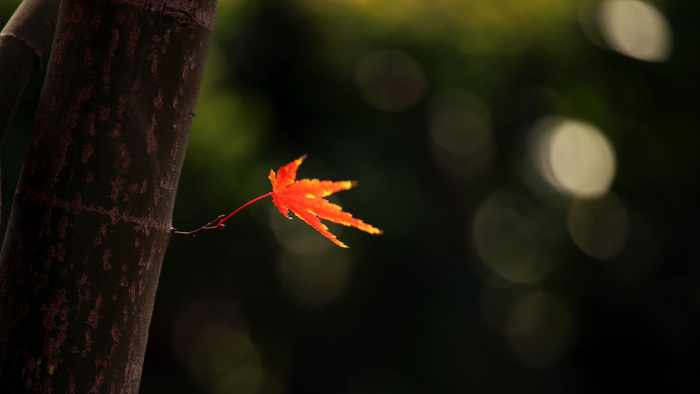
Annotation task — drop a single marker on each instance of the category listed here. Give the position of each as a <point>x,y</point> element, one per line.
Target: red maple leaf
<point>305,198</point>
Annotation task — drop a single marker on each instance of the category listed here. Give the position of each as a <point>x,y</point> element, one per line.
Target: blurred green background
<point>533,165</point>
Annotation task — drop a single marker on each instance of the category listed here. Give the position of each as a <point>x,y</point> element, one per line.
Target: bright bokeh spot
<point>540,328</point>
<point>574,157</point>
<point>390,80</point>
<point>507,240</point>
<point>635,29</point>
<point>599,227</point>
<point>460,130</point>
<point>317,280</point>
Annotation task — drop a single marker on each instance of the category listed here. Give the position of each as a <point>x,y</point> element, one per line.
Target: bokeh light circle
<point>223,357</point>
<point>298,237</point>
<point>599,227</point>
<point>635,29</point>
<point>540,328</point>
<point>390,80</point>
<point>574,157</point>
<point>314,281</point>
<point>507,240</point>
<point>460,131</point>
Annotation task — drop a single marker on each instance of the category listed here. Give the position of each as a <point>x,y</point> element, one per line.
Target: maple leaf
<point>305,198</point>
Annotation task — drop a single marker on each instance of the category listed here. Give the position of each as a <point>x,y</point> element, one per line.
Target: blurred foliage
<point>493,275</point>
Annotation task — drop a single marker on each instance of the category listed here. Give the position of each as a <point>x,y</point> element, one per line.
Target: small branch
<point>216,224</point>
<point>213,225</point>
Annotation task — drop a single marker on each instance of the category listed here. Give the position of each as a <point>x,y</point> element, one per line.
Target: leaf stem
<point>218,223</point>
<point>243,206</point>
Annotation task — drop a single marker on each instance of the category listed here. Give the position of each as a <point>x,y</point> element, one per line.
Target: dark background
<point>491,276</point>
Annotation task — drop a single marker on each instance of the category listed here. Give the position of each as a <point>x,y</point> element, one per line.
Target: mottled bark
<point>91,216</point>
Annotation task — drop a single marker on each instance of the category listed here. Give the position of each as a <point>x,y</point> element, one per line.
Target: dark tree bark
<point>91,217</point>
<point>23,42</point>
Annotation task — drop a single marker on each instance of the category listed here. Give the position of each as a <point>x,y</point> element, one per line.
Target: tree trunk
<point>91,217</point>
<point>23,42</point>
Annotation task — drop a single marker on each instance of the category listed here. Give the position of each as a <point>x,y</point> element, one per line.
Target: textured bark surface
<point>91,216</point>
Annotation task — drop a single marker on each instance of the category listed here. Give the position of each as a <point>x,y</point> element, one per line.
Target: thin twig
<point>216,224</point>
<point>213,225</point>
